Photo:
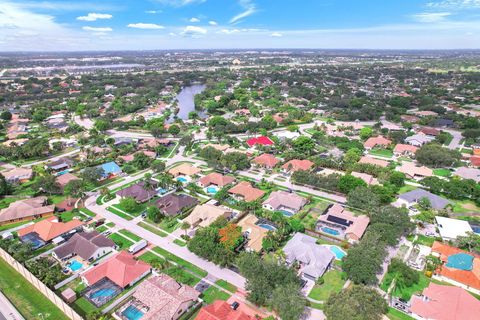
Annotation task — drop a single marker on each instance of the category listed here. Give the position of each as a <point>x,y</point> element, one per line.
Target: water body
<point>186,102</point>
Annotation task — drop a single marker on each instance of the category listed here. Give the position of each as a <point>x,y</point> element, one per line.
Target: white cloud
<point>194,20</point>
<point>249,9</point>
<point>429,17</point>
<point>455,4</point>
<point>141,25</point>
<point>92,16</point>
<point>179,3</point>
<point>228,31</point>
<point>153,11</point>
<point>66,6</point>
<point>276,35</point>
<point>194,31</point>
<point>212,23</point>
<point>98,29</point>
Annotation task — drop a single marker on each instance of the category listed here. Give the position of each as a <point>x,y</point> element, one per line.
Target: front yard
<point>382,153</point>
<point>212,294</point>
<point>333,283</point>
<point>121,242</point>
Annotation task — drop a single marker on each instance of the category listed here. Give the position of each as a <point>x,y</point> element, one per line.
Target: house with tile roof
<point>216,179</point>
<point>266,160</point>
<point>253,232</point>
<point>185,169</point>
<point>379,141</point>
<point>122,269</point>
<point>374,161</point>
<point>367,178</point>
<point>50,228</point>
<point>261,141</point>
<point>65,178</point>
<point>139,191</point>
<point>161,297</point>
<point>221,310</point>
<point>413,171</point>
<point>468,173</point>
<point>347,225</point>
<point>18,175</point>
<point>173,204</point>
<point>284,201</point>
<point>203,215</point>
<point>87,245</point>
<point>404,150</point>
<point>297,165</point>
<point>432,132</point>
<point>26,209</point>
<point>244,191</point>
<point>441,302</point>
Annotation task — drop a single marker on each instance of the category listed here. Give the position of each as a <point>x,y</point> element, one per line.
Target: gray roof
<point>437,202</point>
<point>314,258</point>
<point>83,244</point>
<point>173,204</point>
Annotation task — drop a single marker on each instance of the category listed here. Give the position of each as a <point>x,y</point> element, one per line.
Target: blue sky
<point>204,24</point>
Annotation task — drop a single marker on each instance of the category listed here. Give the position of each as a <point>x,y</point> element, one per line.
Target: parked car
<point>235,305</point>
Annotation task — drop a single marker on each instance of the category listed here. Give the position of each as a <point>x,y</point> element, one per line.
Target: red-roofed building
<point>377,141</point>
<point>122,269</point>
<point>297,165</point>
<point>404,150</point>
<point>445,303</point>
<point>266,160</point>
<point>217,179</point>
<point>475,161</point>
<point>430,131</point>
<point>221,310</point>
<point>262,140</point>
<point>50,228</point>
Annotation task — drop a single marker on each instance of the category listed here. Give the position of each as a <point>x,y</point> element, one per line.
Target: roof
<point>377,141</point>
<point>221,310</point>
<point>246,190</point>
<point>18,173</point>
<point>402,148</point>
<point>267,160</point>
<point>172,204</point>
<point>60,163</point>
<point>138,192</point>
<point>65,178</point>
<point>277,199</point>
<point>314,257</point>
<point>452,228</point>
<point>377,162</point>
<point>255,232</point>
<point>355,224</point>
<point>121,269</point>
<point>475,161</point>
<point>217,179</point>
<point>205,214</point>
<point>420,138</point>
<point>83,244</point>
<point>436,202</point>
<point>430,131</point>
<point>110,168</point>
<point>468,277</point>
<point>468,173</point>
<point>164,297</point>
<point>184,169</point>
<point>367,178</point>
<point>262,140</point>
<point>296,165</point>
<point>50,228</point>
<point>410,169</point>
<point>445,303</point>
<point>26,208</point>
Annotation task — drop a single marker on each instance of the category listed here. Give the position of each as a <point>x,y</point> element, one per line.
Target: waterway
<point>186,101</point>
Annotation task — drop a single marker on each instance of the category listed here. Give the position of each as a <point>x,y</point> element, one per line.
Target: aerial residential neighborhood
<point>239,160</point>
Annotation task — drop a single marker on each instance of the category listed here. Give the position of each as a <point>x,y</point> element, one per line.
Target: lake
<point>186,102</point>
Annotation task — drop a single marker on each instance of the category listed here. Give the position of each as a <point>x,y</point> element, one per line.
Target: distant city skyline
<point>54,25</point>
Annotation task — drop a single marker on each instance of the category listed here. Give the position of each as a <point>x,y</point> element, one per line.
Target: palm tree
<point>185,226</point>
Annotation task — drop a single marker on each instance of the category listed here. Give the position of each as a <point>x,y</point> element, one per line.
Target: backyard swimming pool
<point>267,226</point>
<point>62,172</point>
<point>182,179</point>
<point>104,292</point>
<point>212,190</point>
<point>75,265</point>
<point>132,313</point>
<point>338,252</point>
<point>286,213</point>
<point>331,231</point>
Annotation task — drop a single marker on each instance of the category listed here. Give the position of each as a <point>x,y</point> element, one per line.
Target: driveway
<point>457,136</point>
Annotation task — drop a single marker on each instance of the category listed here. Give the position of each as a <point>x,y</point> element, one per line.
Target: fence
<point>56,300</point>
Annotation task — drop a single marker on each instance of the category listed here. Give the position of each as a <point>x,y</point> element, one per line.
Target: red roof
<point>296,165</point>
<point>376,141</point>
<point>262,140</point>
<point>267,160</point>
<point>50,228</point>
<point>475,160</point>
<point>122,269</point>
<point>221,310</point>
<point>445,303</point>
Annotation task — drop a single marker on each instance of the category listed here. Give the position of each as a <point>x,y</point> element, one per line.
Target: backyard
<point>382,153</point>
<point>405,292</point>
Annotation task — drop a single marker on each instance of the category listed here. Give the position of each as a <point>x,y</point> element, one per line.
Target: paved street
<point>7,310</point>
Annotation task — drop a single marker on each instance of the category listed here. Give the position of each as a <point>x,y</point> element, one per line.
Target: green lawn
<point>333,283</point>
<point>148,257</point>
<point>382,153</point>
<point>406,188</point>
<point>130,235</point>
<point>118,213</point>
<point>83,307</point>
<point>121,242</point>
<point>68,215</point>
<point>182,276</point>
<point>424,240</point>
<point>102,229</point>
<point>465,206</point>
<point>88,212</point>
<point>406,293</point>
<point>212,294</point>
<point>394,314</point>
<point>181,262</point>
<point>140,208</point>
<point>180,243</point>
<point>441,172</point>
<point>226,285</point>
<point>154,230</point>
<point>12,225</point>
<point>25,297</point>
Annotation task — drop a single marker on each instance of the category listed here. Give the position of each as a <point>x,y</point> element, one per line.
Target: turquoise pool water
<point>267,226</point>
<point>286,213</point>
<point>106,292</point>
<point>62,172</point>
<point>461,261</point>
<point>331,231</point>
<point>212,190</point>
<point>132,313</point>
<point>75,265</point>
<point>182,179</point>
<point>339,253</point>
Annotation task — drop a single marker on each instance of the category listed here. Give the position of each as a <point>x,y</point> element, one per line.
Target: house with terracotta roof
<point>261,141</point>
<point>413,171</point>
<point>216,179</point>
<point>221,310</point>
<point>266,160</point>
<point>18,175</point>
<point>244,191</point>
<point>253,232</point>
<point>185,169</point>
<point>341,223</point>
<point>203,215</point>
<point>475,161</point>
<point>459,267</point>
<point>404,150</point>
<point>87,245</point>
<point>374,161</point>
<point>26,209</point>
<point>173,204</point>
<point>284,201</point>
<point>122,269</point>
<point>367,178</point>
<point>160,297</point>
<point>377,142</point>
<point>65,178</point>
<point>426,113</point>
<point>297,165</point>
<point>49,229</point>
<point>441,302</point>
<point>432,132</point>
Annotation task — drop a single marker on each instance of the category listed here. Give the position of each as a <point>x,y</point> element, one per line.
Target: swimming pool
<point>212,189</point>
<point>331,231</point>
<point>182,179</point>
<point>338,252</point>
<point>267,226</point>
<point>161,191</point>
<point>132,313</point>
<point>105,292</point>
<point>75,265</point>
<point>460,261</point>
<point>286,213</point>
<point>475,229</point>
<point>62,172</point>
